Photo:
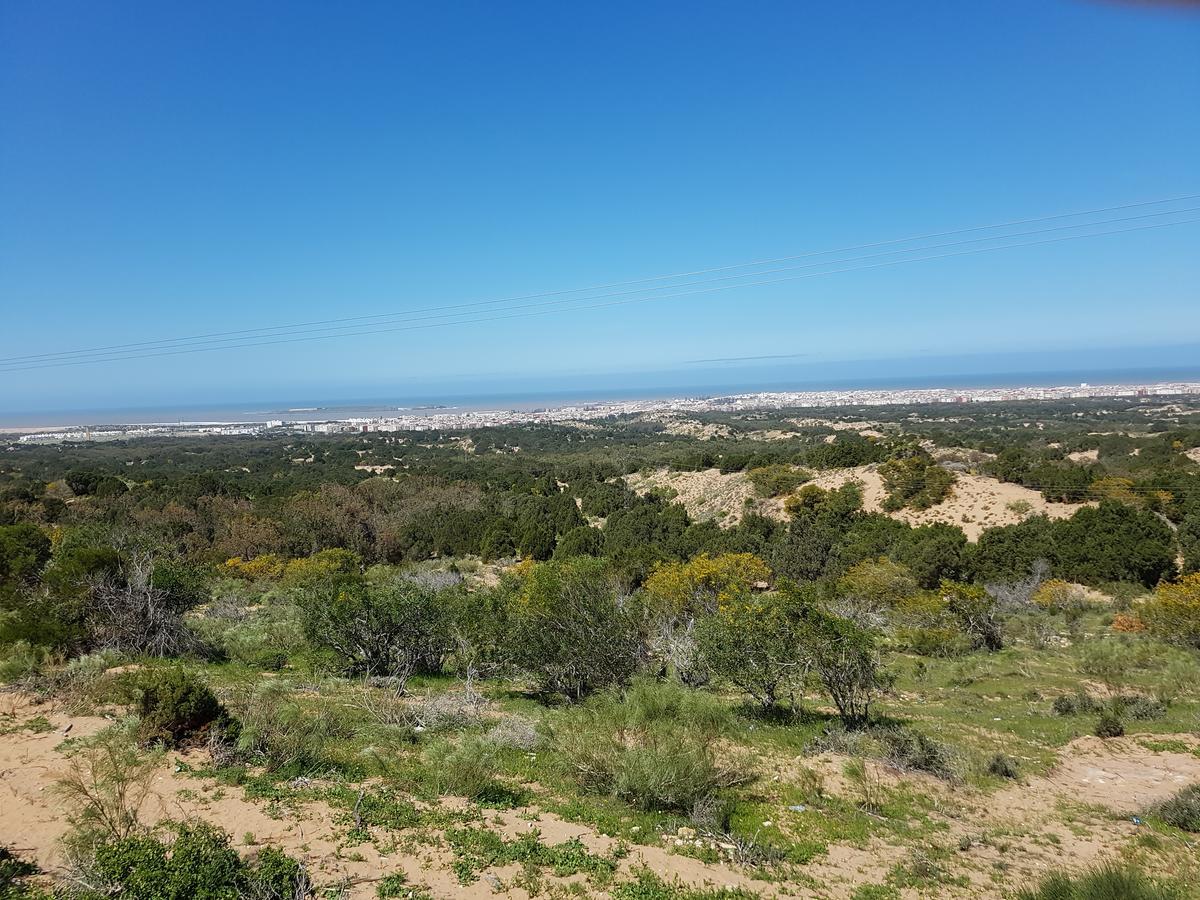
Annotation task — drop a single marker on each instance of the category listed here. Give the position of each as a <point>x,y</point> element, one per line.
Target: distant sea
<point>308,410</point>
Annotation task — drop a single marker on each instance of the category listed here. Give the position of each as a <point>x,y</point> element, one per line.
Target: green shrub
<point>648,886</point>
<point>651,746</point>
<point>1110,882</point>
<point>777,480</point>
<point>1139,707</point>
<point>571,631</point>
<point>1109,726</point>
<point>465,768</point>
<point>1075,704</point>
<point>176,708</point>
<point>282,735</point>
<point>18,660</point>
<point>198,864</point>
<point>1181,811</point>
<point>1003,766</point>
<point>915,751</point>
<point>936,642</point>
<point>14,877</point>
<point>390,626</point>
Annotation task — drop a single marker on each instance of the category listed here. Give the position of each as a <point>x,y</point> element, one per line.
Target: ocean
<point>310,410</point>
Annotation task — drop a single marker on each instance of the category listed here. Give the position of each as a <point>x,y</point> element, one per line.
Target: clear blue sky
<point>168,169</point>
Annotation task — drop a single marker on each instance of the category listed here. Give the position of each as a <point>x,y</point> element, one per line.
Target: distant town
<point>448,419</point>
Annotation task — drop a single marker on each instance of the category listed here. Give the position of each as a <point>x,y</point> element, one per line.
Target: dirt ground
<point>976,501</point>
<point>1102,781</point>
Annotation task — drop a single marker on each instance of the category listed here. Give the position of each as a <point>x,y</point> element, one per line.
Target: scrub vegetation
<point>253,668</point>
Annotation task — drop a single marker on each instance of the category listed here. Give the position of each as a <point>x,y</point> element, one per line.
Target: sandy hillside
<point>708,495</point>
<point>1117,776</point>
<point>976,502</point>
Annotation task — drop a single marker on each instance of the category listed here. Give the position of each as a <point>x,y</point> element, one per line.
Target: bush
<point>515,733</point>
<point>777,480</point>
<point>917,482</point>
<point>176,708</point>
<point>651,746</point>
<point>19,660</point>
<point>198,863</point>
<point>279,733</point>
<point>466,768</point>
<point>14,876</point>
<point>1181,811</point>
<point>1074,704</point>
<point>910,750</point>
<point>571,632</point>
<point>1003,766</point>
<point>1139,707</point>
<point>391,627</point>
<point>1173,613</point>
<point>1110,882</point>
<point>753,644</point>
<point>1109,726</point>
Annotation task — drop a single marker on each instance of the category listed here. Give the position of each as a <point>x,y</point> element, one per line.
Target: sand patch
<point>976,502</point>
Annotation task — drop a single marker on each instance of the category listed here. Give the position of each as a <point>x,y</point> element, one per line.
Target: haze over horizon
<point>189,172</point>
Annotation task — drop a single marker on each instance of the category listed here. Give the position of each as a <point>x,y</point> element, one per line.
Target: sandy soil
<point>1120,776</point>
<point>1193,454</point>
<point>976,502</point>
<point>708,495</point>
<point>33,820</point>
<point>1083,456</point>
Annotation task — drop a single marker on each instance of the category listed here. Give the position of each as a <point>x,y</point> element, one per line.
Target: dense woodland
<point>514,569</point>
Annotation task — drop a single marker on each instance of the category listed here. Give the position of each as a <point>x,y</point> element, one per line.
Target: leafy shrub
<point>176,707</point>
<point>1060,596</point>
<point>267,639</point>
<point>391,627</point>
<point>1181,811</point>
<point>1075,704</point>
<point>916,482</point>
<point>1110,882</point>
<point>14,876</point>
<point>465,768</point>
<point>1173,613</point>
<point>19,660</point>
<point>777,480</point>
<point>279,733</point>
<point>936,642</point>
<point>197,863</point>
<point>752,643</point>
<point>1003,766</point>
<point>571,631</point>
<point>1109,726</point>
<point>652,746</point>
<point>1139,707</point>
<point>911,750</point>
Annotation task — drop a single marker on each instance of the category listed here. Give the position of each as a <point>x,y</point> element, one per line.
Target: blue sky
<point>174,169</point>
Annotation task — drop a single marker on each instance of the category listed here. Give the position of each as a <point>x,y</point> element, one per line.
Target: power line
<point>278,330</point>
<point>331,331</point>
<point>292,340</point>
